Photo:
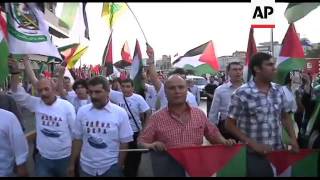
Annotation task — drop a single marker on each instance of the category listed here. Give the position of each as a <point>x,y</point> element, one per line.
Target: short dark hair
<point>128,80</point>
<point>81,82</point>
<point>99,80</point>
<point>257,60</point>
<point>177,71</point>
<point>233,63</point>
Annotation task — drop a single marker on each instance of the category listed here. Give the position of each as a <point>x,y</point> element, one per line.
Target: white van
<point>199,81</point>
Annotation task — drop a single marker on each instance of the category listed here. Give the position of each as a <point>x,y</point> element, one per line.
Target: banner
<point>28,31</point>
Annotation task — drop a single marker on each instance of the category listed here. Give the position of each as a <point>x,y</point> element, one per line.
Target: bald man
<point>178,125</point>
<point>55,119</point>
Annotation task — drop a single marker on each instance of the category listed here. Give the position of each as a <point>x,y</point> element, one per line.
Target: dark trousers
<point>114,171</point>
<point>133,159</point>
<point>208,106</point>
<point>258,165</point>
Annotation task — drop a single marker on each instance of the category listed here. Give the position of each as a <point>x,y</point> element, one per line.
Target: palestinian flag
<point>4,52</point>
<point>251,50</point>
<point>291,55</point>
<point>76,56</point>
<point>136,70</point>
<point>217,160</point>
<point>107,61</point>
<point>302,164</point>
<point>202,60</point>
<point>296,11</point>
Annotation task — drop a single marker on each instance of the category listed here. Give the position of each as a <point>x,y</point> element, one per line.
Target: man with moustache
<point>102,130</point>
<point>55,120</point>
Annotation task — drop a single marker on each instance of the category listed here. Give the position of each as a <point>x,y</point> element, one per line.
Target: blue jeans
<point>51,167</point>
<point>114,171</point>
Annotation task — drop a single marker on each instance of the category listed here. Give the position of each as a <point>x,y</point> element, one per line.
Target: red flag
<point>3,25</point>
<point>209,57</point>
<point>204,160</point>
<point>283,159</point>
<point>125,53</point>
<point>251,50</point>
<point>107,60</point>
<point>123,75</point>
<point>291,45</point>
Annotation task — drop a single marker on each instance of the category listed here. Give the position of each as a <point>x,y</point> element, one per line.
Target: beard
<point>98,104</point>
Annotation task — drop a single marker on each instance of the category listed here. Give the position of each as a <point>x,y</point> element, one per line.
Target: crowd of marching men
<point>92,127</point>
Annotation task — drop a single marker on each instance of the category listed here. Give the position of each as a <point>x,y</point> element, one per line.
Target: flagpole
<point>137,22</point>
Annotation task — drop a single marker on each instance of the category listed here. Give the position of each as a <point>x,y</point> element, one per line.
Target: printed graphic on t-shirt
<point>97,142</point>
<point>51,133</point>
<point>50,122</point>
<point>94,128</point>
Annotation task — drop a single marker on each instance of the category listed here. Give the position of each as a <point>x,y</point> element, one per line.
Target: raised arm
<point>29,71</point>
<point>18,93</point>
<point>151,68</point>
<point>62,92</point>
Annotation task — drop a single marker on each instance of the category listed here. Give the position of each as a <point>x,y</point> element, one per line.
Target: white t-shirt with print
<point>136,104</point>
<point>54,124</point>
<point>101,131</point>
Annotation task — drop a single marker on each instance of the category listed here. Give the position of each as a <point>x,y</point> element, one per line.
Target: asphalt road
<point>145,169</point>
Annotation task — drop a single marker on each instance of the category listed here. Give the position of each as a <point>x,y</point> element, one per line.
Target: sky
<point>172,28</point>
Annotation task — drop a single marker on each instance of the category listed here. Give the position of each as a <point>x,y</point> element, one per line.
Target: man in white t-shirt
<point>13,146</point>
<point>55,119</point>
<point>138,111</point>
<point>161,96</point>
<point>102,129</point>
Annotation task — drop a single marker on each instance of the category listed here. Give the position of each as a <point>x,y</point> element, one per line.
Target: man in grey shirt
<point>221,99</point>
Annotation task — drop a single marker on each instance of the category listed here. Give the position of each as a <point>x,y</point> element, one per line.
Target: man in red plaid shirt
<point>179,124</point>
